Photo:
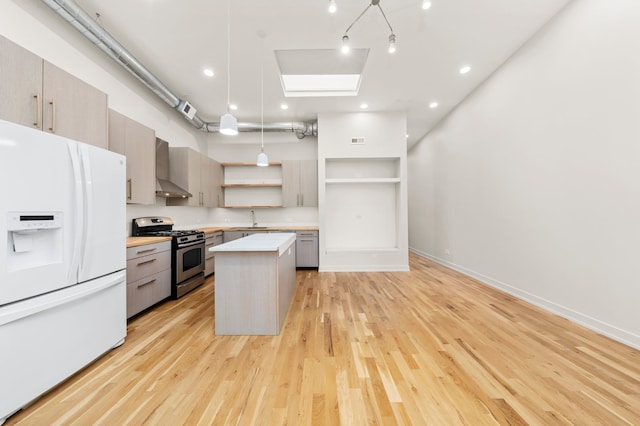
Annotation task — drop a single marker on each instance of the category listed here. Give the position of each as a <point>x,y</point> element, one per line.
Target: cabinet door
<point>20,85</point>
<point>73,108</point>
<point>218,180</point>
<point>290,183</point>
<point>308,183</point>
<point>141,162</point>
<point>137,143</point>
<point>307,249</point>
<point>300,183</point>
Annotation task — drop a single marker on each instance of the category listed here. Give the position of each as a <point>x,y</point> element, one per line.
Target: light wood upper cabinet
<point>20,85</point>
<point>198,174</point>
<point>38,94</point>
<point>137,142</point>
<point>300,183</point>
<point>73,108</point>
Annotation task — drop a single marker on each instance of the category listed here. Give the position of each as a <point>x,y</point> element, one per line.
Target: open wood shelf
<point>273,163</point>
<point>252,185</point>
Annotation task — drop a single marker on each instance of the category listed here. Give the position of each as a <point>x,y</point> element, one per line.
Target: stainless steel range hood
<point>164,187</point>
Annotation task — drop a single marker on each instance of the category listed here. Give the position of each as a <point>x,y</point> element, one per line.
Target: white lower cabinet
<point>148,276</point>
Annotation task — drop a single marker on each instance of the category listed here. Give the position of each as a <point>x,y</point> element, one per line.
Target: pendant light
<point>263,160</point>
<point>228,123</point>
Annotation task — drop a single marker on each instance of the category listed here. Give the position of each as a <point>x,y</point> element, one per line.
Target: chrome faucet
<point>253,218</point>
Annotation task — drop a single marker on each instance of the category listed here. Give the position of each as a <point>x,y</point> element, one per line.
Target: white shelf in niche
<point>362,180</point>
<point>344,170</point>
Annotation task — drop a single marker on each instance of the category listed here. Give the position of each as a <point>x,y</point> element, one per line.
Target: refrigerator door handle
<point>87,203</point>
<point>78,210</point>
<point>17,311</point>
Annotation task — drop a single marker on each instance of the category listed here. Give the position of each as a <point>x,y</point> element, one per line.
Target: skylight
<point>320,72</point>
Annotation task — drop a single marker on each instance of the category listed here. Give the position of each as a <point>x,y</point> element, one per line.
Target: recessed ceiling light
<point>364,106</point>
<point>208,72</point>
<point>426,4</point>
<point>407,135</point>
<point>284,106</point>
<point>433,105</point>
<point>233,106</point>
<point>465,69</point>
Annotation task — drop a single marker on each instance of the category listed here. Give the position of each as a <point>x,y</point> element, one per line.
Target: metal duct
<point>299,128</point>
<point>73,14</point>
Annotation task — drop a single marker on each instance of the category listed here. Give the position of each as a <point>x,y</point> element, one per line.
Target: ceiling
<point>177,39</point>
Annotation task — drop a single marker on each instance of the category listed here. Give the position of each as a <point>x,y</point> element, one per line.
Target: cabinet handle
<point>147,261</point>
<point>146,251</point>
<point>38,110</point>
<point>53,117</point>
<point>147,283</point>
<point>129,189</point>
<point>301,200</point>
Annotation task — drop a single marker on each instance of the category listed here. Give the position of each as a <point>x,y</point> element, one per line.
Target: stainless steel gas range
<point>187,252</point>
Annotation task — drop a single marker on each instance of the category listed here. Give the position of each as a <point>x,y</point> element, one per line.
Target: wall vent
<point>357,141</point>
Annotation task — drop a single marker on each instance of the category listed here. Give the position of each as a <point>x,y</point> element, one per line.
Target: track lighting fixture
<point>332,6</point>
<point>392,37</point>
<point>345,44</point>
<point>392,43</point>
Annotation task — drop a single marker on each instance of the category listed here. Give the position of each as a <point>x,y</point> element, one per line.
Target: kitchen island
<point>255,282</point>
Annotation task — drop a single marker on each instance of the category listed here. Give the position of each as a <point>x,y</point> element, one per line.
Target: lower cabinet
<point>307,249</point>
<point>212,239</point>
<point>148,276</point>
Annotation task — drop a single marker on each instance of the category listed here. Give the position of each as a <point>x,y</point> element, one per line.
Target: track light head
<point>332,6</point>
<point>345,44</point>
<point>392,43</point>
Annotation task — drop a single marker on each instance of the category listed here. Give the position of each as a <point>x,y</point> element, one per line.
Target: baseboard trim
<point>364,268</point>
<point>587,321</point>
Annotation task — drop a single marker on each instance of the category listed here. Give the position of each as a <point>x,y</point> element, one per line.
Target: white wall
<point>533,185</point>
<point>364,226</point>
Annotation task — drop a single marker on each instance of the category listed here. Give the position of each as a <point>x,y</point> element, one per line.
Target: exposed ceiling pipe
<point>73,14</point>
<point>299,128</point>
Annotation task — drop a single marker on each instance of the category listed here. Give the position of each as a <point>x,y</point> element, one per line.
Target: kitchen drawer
<point>148,249</point>
<point>143,266</point>
<point>148,291</point>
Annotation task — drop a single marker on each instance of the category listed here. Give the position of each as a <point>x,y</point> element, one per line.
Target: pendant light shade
<point>263,160</point>
<point>228,125</point>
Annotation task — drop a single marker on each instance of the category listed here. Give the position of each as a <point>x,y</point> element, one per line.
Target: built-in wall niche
<point>364,170</point>
<point>249,186</point>
<point>364,197</point>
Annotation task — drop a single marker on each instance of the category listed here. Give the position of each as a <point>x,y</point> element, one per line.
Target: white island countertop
<point>276,241</point>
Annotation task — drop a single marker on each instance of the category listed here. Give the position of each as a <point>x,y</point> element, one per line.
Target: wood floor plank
<point>430,346</point>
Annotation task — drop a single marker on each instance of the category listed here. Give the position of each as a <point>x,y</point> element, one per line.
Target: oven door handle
<point>187,245</point>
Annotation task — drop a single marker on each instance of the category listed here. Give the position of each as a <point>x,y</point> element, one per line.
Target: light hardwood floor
<point>426,347</point>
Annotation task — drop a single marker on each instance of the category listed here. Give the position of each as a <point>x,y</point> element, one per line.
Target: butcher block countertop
<point>260,228</point>
<point>141,241</point>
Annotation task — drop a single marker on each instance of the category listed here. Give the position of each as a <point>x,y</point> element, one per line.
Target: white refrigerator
<point>62,260</point>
